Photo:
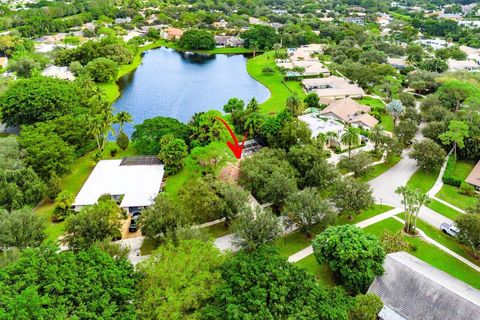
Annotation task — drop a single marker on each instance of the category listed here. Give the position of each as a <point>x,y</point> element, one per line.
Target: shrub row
<point>448,176</point>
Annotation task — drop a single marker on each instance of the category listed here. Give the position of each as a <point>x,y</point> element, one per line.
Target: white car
<point>449,229</point>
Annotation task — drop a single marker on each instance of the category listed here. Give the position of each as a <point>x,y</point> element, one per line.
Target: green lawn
<point>192,169</point>
<point>322,273</point>
<point>450,194</point>
<point>279,90</point>
<point>386,121</point>
<point>431,254</point>
<point>444,210</point>
<point>446,240</point>
<point>376,104</point>
<point>73,182</point>
<point>296,241</point>
<point>379,169</point>
<point>463,169</point>
<point>423,180</point>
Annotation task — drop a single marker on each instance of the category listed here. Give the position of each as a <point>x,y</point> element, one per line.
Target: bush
<point>355,257</point>
<point>268,71</point>
<point>448,177</point>
<point>467,189</point>
<point>113,152</point>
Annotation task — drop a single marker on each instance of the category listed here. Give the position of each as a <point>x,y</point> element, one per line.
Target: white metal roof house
<point>463,65</point>
<point>414,290</point>
<point>135,181</point>
<point>333,87</point>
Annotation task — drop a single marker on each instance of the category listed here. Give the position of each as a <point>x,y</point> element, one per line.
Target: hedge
<point>448,177</point>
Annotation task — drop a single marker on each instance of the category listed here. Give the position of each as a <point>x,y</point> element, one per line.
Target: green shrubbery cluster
<point>449,177</point>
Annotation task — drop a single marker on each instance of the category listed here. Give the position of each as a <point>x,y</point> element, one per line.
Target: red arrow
<point>236,148</point>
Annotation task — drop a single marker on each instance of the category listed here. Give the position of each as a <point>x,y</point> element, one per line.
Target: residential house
<point>356,20</point>
<point>172,33</point>
<point>58,72</point>
<point>222,24</point>
<point>411,289</point>
<point>333,87</point>
<point>398,63</point>
<point>350,112</point>
<point>3,62</point>
<point>434,43</point>
<point>472,53</point>
<point>474,176</point>
<point>252,20</point>
<point>123,20</point>
<point>473,24</point>
<point>228,41</point>
<point>134,182</point>
<point>319,124</point>
<point>463,65</point>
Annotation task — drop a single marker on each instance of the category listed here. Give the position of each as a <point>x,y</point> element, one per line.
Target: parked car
<point>134,222</point>
<point>449,229</point>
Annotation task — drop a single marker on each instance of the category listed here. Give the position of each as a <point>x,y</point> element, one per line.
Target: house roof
<point>174,32</point>
<point>333,86</point>
<point>462,64</point>
<point>474,176</point>
<point>417,291</point>
<point>345,109</point>
<point>366,119</point>
<point>139,183</point>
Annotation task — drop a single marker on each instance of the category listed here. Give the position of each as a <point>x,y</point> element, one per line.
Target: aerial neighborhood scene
<point>240,160</point>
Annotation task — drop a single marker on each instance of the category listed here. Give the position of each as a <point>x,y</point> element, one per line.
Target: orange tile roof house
<point>173,33</point>
<point>474,176</point>
<point>3,62</point>
<point>351,112</point>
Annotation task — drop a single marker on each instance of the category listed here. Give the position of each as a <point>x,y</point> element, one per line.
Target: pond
<point>174,84</point>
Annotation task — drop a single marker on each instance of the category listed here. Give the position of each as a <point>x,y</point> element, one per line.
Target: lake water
<point>177,85</point>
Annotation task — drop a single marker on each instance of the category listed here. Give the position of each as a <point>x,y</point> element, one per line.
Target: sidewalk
<point>362,224</point>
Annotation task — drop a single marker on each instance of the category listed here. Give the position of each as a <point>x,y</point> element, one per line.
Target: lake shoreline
<point>112,89</point>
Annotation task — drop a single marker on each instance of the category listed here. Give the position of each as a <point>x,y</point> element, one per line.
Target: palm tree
<point>377,135</point>
<point>101,120</point>
<point>123,117</point>
<point>253,123</point>
<point>277,47</point>
<point>351,138</point>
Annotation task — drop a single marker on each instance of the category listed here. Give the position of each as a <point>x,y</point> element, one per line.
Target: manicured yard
<point>444,210</point>
<point>279,90</point>
<point>450,194</point>
<point>192,169</point>
<point>297,241</point>
<point>372,102</point>
<point>379,169</point>
<point>431,254</point>
<point>446,240</point>
<point>73,182</point>
<point>386,121</point>
<point>463,169</point>
<point>322,273</point>
<point>423,180</point>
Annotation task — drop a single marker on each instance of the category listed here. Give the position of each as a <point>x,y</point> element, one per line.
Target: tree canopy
<point>46,284</point>
<point>354,256</point>
<point>147,135</point>
<point>263,285</point>
<point>28,101</point>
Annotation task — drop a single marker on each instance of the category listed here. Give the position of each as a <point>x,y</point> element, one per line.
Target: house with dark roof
<point>414,290</point>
